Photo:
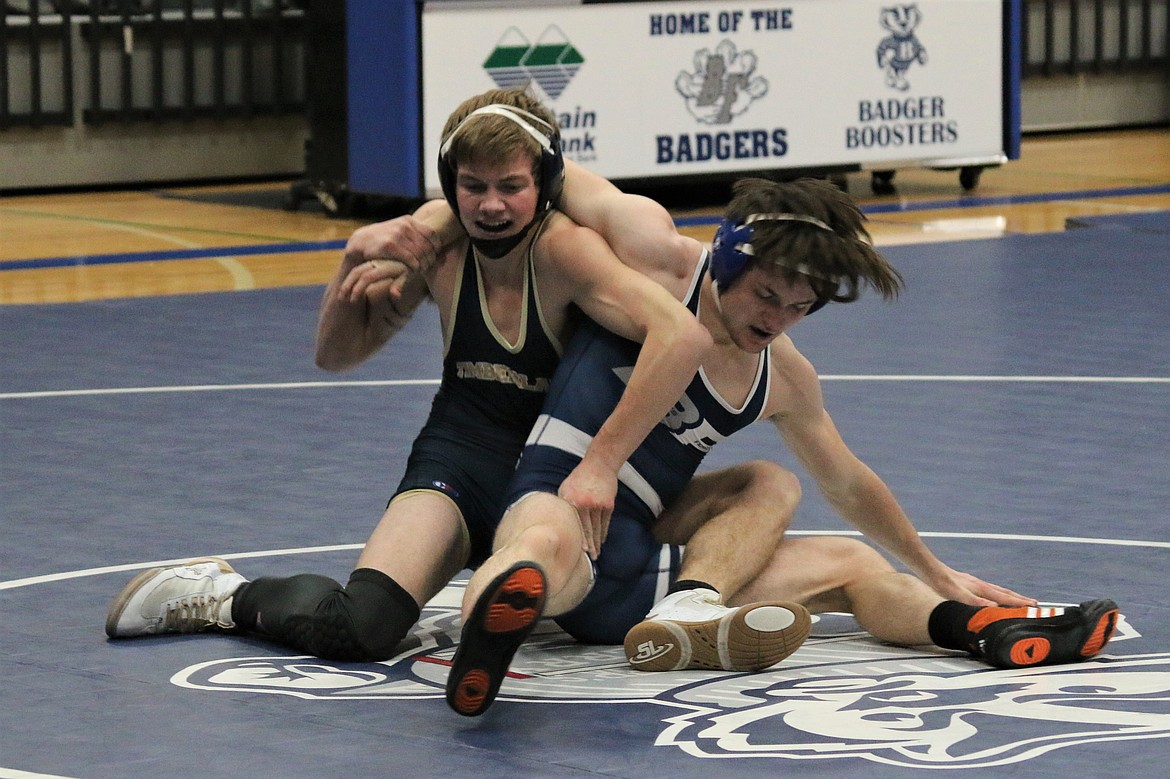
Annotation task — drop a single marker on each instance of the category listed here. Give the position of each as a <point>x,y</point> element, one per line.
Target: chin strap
<point>495,248</point>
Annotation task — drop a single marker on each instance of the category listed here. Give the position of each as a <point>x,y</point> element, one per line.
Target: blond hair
<point>491,137</point>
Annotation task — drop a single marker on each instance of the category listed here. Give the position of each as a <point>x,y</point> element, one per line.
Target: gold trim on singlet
<point>425,491</point>
<point>548,332</point>
<point>529,284</point>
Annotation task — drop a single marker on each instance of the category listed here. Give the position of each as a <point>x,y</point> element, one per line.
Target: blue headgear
<point>732,248</point>
<point>552,163</point>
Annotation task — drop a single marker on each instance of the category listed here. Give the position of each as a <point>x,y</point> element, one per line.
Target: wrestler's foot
<point>188,598</point>
<point>503,616</point>
<point>1022,637</point>
<point>691,629</point>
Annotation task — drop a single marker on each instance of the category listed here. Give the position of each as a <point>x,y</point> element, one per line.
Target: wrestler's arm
<point>380,282</point>
<point>673,346</point>
<point>640,231</point>
<point>856,492</point>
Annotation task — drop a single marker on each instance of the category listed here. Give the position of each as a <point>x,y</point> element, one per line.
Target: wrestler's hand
<point>591,491</point>
<point>405,240</point>
<point>963,587</point>
<point>375,280</point>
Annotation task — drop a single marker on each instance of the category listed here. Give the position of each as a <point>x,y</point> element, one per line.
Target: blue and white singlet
<point>591,378</point>
<point>634,569</point>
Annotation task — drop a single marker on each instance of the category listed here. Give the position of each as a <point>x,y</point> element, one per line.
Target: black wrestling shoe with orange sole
<point>1007,638</point>
<point>504,615</point>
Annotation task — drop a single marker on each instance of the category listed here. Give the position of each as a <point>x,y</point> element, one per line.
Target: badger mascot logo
<point>723,84</point>
<point>842,695</point>
<point>901,49</point>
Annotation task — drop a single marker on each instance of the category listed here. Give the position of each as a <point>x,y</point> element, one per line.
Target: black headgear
<point>732,248</point>
<point>552,163</point>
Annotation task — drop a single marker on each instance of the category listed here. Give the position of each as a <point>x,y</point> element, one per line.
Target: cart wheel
<point>969,177</point>
<point>882,182</point>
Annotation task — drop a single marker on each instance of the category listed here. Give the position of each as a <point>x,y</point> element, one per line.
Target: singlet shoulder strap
<point>461,276</point>
<point>534,288</point>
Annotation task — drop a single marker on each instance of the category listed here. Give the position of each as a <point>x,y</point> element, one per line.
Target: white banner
<point>683,88</point>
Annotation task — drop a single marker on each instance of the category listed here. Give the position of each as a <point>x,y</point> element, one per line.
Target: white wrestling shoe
<point>189,598</point>
<point>692,629</point>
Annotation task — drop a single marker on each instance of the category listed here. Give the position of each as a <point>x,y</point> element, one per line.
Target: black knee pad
<point>361,622</point>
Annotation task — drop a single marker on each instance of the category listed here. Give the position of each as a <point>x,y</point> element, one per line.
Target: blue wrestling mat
<point>1156,222</point>
<point>1016,399</point>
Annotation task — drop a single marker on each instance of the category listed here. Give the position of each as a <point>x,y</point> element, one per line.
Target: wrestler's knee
<point>767,480</point>
<point>775,490</point>
<point>546,528</point>
<point>855,558</point>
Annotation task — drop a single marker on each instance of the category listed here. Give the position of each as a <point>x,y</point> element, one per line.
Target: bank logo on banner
<point>901,48</point>
<point>841,695</point>
<point>551,62</point>
<point>722,85</point>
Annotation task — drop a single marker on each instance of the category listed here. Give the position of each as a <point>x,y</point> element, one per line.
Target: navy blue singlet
<point>489,397</point>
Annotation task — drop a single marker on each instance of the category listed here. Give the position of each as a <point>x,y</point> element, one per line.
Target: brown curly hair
<point>837,261</point>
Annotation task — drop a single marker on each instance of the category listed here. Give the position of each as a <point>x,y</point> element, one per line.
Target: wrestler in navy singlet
<point>490,395</point>
<point>633,570</point>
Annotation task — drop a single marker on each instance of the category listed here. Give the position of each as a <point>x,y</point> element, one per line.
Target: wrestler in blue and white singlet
<point>633,570</point>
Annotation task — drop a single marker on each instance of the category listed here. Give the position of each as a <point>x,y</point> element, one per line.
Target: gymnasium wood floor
<point>1057,177</point>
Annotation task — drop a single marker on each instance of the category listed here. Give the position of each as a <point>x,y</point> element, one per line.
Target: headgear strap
<point>509,112</point>
<point>786,217</point>
<point>802,268</point>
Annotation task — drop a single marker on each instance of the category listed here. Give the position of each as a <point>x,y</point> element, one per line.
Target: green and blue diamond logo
<point>551,62</point>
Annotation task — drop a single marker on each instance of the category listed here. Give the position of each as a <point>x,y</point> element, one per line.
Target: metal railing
<point>1069,37</point>
<point>36,65</point>
<point>149,60</point>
